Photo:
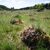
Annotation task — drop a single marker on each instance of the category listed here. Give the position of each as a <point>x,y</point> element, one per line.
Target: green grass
<point>10,34</point>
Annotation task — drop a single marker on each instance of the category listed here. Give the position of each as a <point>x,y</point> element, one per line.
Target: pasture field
<point>10,33</point>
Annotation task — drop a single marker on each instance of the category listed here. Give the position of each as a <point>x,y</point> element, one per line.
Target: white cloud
<point>16,3</point>
<point>0,0</point>
<point>21,3</point>
<point>47,1</point>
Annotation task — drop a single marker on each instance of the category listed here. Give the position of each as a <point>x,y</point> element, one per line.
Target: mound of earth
<point>16,21</point>
<point>31,38</point>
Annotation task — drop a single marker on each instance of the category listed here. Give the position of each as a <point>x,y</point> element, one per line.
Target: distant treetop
<point>37,6</point>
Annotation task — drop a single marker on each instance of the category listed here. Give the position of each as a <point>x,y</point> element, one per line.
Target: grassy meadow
<point>10,33</point>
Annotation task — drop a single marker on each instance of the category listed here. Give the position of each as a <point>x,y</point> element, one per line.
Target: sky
<point>21,3</point>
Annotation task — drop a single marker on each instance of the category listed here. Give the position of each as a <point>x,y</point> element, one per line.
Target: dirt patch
<point>16,21</point>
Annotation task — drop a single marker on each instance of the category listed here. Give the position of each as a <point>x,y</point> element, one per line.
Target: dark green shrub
<point>18,16</point>
<point>13,21</point>
<point>8,46</point>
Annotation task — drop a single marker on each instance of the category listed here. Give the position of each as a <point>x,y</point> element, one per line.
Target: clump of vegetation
<point>46,42</point>
<point>47,18</point>
<point>18,16</point>
<point>13,21</point>
<point>7,46</point>
<point>32,19</point>
<point>16,20</point>
<point>39,7</point>
<point>31,37</point>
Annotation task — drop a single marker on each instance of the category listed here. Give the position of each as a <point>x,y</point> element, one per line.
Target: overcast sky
<point>21,3</point>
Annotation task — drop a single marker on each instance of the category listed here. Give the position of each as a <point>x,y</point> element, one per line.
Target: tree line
<point>42,6</point>
<point>39,7</point>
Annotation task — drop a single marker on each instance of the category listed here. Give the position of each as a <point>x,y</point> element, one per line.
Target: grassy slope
<point>10,34</point>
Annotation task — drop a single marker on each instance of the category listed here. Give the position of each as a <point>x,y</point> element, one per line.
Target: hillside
<point>17,27</point>
<point>2,7</point>
<point>12,23</point>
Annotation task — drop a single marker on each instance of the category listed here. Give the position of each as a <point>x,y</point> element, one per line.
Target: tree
<point>39,7</point>
<point>47,5</point>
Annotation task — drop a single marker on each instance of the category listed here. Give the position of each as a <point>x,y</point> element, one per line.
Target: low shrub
<point>34,38</point>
